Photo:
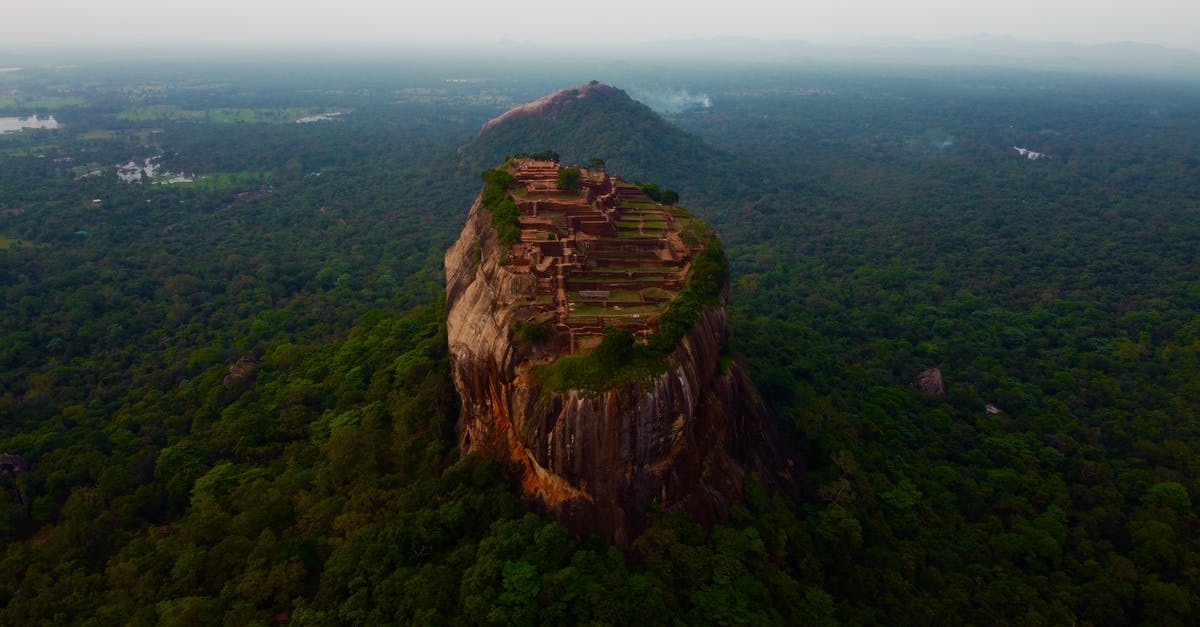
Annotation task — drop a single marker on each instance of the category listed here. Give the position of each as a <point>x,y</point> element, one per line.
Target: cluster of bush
<point>504,210</point>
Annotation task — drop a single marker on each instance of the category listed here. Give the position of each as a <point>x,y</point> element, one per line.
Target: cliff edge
<point>589,260</point>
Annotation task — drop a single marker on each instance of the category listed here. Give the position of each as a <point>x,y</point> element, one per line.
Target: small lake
<point>13,124</point>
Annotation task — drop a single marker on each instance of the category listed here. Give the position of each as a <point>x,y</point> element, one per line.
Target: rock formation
<point>931,382</point>
<point>597,460</point>
<point>599,120</point>
<point>548,105</point>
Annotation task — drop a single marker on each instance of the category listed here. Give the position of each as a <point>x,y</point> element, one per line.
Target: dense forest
<point>224,391</point>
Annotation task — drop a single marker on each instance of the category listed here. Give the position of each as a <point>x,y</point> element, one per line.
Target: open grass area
<point>225,180</point>
<point>11,243</point>
<point>657,293</point>
<point>156,113</point>
<point>588,279</point>
<point>22,104</point>
<point>583,311</point>
<point>618,295</point>
<point>609,258</point>
<point>29,151</point>
<point>225,115</point>
<point>631,268</point>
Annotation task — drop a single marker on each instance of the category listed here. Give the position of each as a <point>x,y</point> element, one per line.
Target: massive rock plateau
<point>599,460</point>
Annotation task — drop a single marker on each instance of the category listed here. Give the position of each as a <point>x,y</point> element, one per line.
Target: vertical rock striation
<point>599,460</point>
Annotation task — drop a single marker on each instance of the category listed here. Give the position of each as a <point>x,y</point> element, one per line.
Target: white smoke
<point>671,100</point>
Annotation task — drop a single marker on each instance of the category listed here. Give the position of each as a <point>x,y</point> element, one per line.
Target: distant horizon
<point>980,51</point>
<point>219,47</point>
<point>552,23</point>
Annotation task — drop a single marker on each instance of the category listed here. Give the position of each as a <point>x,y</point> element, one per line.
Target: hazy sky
<point>1174,23</point>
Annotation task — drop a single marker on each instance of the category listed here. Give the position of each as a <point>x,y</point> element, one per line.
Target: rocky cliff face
<point>599,460</point>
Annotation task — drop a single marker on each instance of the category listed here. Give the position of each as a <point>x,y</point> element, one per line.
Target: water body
<point>14,124</point>
<point>324,117</point>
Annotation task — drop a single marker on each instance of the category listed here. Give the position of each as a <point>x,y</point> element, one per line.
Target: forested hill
<point>223,397</point>
<point>595,120</point>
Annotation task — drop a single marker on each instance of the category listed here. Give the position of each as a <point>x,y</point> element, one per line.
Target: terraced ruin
<point>604,254</point>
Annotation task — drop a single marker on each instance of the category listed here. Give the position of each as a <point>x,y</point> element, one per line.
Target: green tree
<point>570,179</point>
<point>615,347</point>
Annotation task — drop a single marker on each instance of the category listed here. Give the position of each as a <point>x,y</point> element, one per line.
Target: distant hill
<point>598,120</point>
<point>1139,59</point>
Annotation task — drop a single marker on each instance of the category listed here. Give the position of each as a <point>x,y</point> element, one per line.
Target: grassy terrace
<point>586,315</point>
<point>618,358</point>
<point>630,267</point>
<point>648,226</point>
<point>626,292</point>
<point>619,295</point>
<point>596,280</point>
<point>643,213</point>
<point>618,255</point>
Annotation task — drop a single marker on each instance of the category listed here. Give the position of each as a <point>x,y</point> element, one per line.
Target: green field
<point>23,103</point>
<point>29,151</point>
<point>223,115</point>
<point>649,234</point>
<point>7,243</point>
<point>582,314</point>
<point>618,295</point>
<point>154,113</point>
<point>223,180</point>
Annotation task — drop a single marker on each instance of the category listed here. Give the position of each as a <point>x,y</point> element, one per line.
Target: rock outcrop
<point>549,104</point>
<point>599,120</point>
<point>930,382</point>
<point>599,460</point>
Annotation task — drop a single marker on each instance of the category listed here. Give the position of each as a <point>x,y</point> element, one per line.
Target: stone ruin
<point>602,255</point>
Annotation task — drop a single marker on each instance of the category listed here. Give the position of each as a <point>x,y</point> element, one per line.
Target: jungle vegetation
<point>232,394</point>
